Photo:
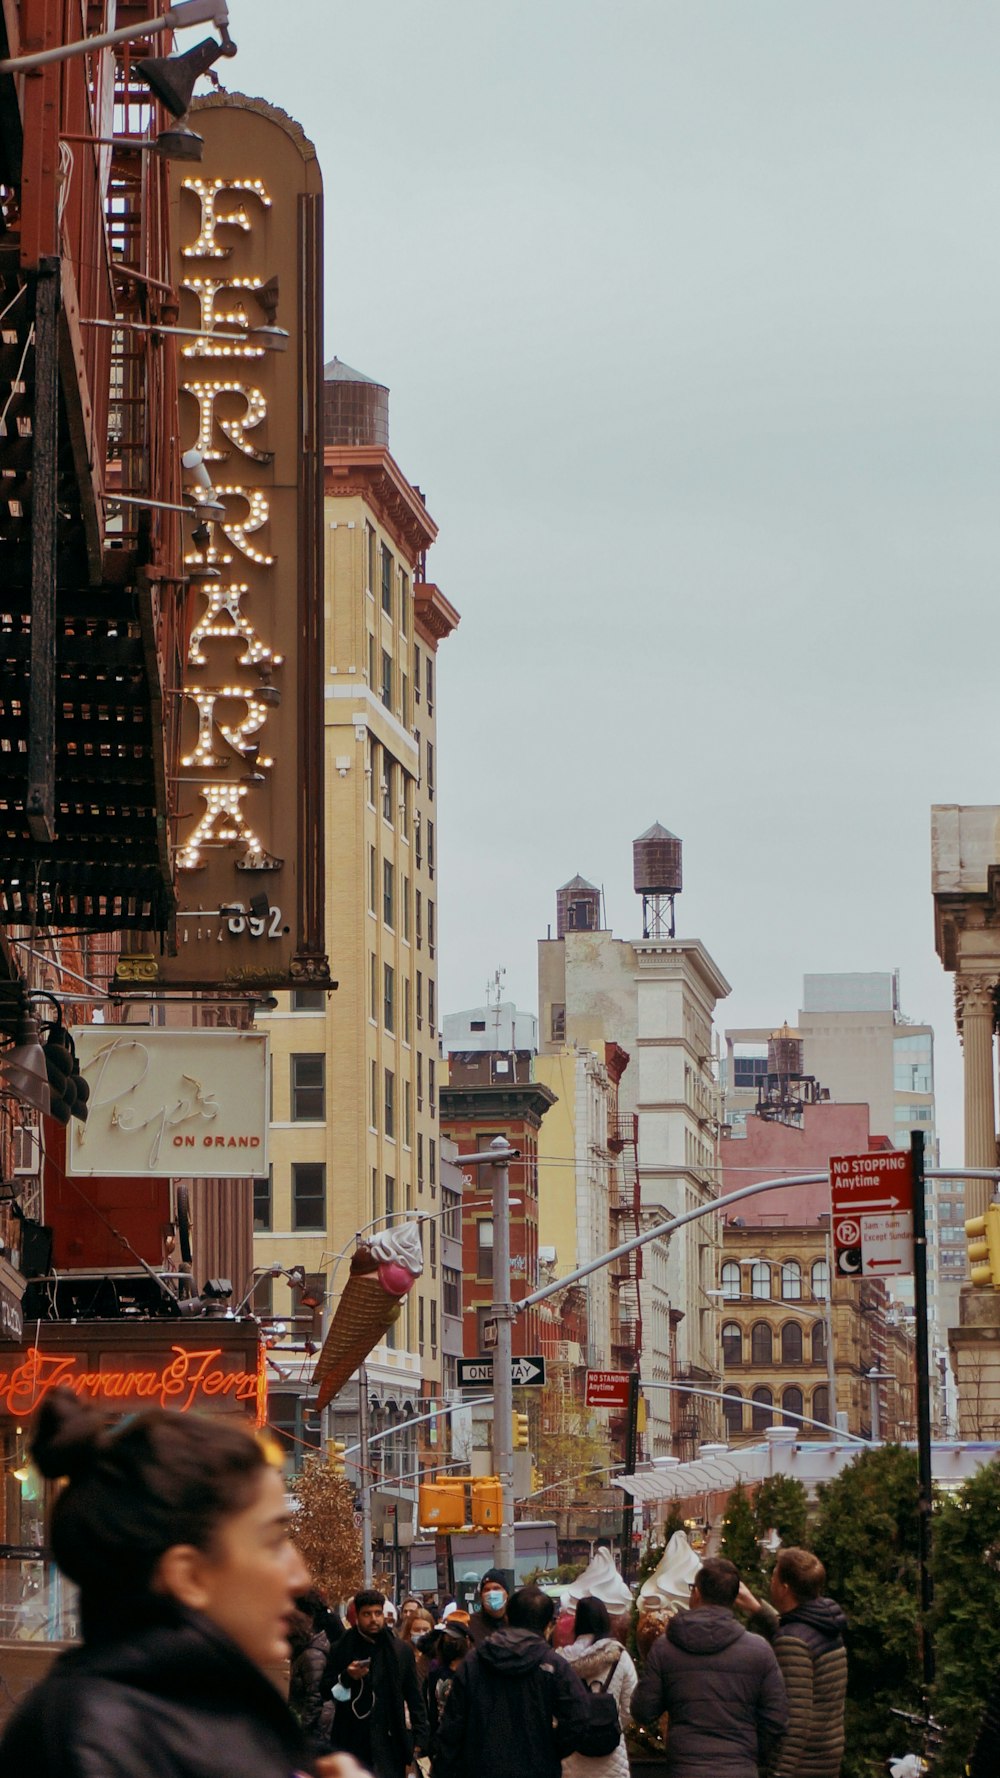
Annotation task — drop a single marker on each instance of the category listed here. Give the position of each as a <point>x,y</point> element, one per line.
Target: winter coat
<point>722,1690</point>
<point>175,1699</point>
<point>305,1687</point>
<point>515,1707</point>
<point>591,1661</point>
<point>809,1644</point>
<point>985,1759</point>
<point>482,1625</point>
<point>373,1723</point>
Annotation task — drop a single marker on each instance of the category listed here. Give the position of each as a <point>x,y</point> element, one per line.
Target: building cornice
<point>682,955</point>
<point>434,615</point>
<point>370,472</point>
<point>527,1103</point>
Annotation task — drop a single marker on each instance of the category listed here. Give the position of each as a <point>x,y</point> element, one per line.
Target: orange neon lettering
<point>184,1380</point>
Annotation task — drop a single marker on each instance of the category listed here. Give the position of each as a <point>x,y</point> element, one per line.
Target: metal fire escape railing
<point>626,1212</point>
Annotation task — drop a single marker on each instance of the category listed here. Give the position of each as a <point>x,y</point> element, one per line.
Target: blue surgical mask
<point>494,1599</point>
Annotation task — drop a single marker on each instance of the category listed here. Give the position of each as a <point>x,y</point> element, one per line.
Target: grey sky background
<point>689,315</point>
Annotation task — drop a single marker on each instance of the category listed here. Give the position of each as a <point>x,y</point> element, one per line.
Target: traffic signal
<point>68,1091</point>
<point>982,1234</point>
<point>519,1432</point>
<point>335,1451</point>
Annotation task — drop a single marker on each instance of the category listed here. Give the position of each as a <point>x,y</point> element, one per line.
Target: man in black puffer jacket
<point>719,1686</point>
<point>807,1634</point>
<point>515,1706</point>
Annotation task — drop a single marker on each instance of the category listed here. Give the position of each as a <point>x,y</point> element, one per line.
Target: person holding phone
<point>380,1716</point>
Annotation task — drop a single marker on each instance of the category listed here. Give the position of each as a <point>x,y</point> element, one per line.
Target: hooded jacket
<point>722,1690</point>
<point>515,1706</point>
<point>373,1724</point>
<point>166,1702</point>
<point>809,1644</point>
<point>592,1659</point>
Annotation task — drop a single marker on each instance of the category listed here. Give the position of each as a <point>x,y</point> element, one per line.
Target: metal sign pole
<point>923,1380</point>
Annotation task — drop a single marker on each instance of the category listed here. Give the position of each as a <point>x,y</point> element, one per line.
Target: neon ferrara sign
<point>191,1379</point>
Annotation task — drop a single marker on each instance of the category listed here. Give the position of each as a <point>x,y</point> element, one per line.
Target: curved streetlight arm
<point>176,18</point>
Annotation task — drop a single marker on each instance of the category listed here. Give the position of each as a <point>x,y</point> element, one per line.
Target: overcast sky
<point>689,313</point>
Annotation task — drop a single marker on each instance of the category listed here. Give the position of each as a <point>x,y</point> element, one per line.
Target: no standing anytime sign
<point>872,1206</point>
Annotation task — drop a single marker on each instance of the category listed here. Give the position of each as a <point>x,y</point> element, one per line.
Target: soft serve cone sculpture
<point>382,1271</point>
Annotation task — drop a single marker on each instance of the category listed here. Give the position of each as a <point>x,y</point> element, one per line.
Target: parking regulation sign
<point>871,1203</point>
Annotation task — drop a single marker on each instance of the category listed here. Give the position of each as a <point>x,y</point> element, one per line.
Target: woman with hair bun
<point>175,1530</point>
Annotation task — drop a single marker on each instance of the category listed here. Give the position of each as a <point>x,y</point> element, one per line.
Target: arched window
<point>731,1281</point>
<point>732,1343</point>
<point>819,1342</point>
<point>760,1280</point>
<point>819,1279</point>
<point>791,1403</point>
<point>761,1343</point>
<point>732,1409</point>
<point>791,1280</point>
<point>762,1416</point>
<point>821,1407</point>
<point>791,1343</point>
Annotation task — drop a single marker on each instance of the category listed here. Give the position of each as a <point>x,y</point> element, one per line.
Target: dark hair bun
<point>69,1438</point>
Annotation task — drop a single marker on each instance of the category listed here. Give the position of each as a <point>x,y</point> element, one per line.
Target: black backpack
<point>603,1731</point>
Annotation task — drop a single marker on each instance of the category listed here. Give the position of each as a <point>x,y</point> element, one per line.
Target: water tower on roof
<point>578,907</point>
<point>657,876</point>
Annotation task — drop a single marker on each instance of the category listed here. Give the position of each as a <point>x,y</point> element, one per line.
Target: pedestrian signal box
<point>982,1234</point>
<point>461,1503</point>
<point>487,1503</point>
<point>441,1503</point>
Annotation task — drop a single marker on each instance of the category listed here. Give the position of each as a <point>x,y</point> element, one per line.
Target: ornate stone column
<point>975,1009</point>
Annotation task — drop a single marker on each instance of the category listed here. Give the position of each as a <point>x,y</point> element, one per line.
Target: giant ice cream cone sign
<point>383,1270</point>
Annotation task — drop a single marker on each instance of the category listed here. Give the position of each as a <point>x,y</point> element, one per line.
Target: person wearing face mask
<point>492,1613</point>
<point>380,1716</point>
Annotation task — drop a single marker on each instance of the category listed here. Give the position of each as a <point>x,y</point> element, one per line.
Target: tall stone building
<point>355,1131</point>
<point>654,998</point>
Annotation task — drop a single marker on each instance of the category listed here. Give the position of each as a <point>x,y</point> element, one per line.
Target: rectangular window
<point>308,1089</point>
<point>388,893</point>
<point>418,841</point>
<point>420,1082</point>
<point>434,1327</point>
<point>387,566</point>
<point>430,848</point>
<point>484,1245</point>
<point>420,1160</point>
<point>371,659</point>
<point>416,675</point>
<point>390,1103</point>
<point>372,558</point>
<point>388,788</point>
<point>371,771</point>
<point>373,986</point>
<point>372,880</point>
<point>406,1009</point>
<point>431,1088</point>
<point>262,1203</point>
<point>404,700</point>
<point>420,1001</point>
<point>389,997</point>
<point>432,1149</point>
<point>451,1291</point>
<point>308,1195</point>
<point>387,679</point>
<point>432,1247</point>
<point>431,1004</point>
<point>373,1100</point>
<point>420,1321</point>
<point>406,909</point>
<point>404,604</point>
<point>420,920</point>
<point>407,1113</point>
<point>431,934</point>
<point>430,685</point>
<point>308,999</point>
<point>430,770</point>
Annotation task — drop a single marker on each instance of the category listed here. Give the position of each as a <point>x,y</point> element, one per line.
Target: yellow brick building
<point>355,1075</point>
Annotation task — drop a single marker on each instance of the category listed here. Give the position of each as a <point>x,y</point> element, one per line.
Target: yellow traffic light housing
<point>520,1432</point>
<point>982,1234</point>
<point>336,1450</point>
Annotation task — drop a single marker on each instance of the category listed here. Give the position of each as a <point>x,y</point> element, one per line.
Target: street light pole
<point>503,1385</point>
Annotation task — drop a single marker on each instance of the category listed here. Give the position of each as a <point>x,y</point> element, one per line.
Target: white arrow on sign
<point>873,1204</point>
<point>525,1370</point>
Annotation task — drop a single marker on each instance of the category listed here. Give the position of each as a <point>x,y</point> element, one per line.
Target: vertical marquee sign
<point>246,232</point>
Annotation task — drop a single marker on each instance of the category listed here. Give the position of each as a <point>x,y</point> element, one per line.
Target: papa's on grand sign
<point>247,831</point>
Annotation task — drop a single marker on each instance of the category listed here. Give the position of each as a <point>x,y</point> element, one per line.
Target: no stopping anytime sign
<point>871,1202</point>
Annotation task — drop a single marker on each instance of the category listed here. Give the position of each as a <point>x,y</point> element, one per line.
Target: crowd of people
<point>192,1595</point>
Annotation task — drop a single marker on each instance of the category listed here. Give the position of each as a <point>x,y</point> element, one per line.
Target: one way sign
<point>477,1373</point>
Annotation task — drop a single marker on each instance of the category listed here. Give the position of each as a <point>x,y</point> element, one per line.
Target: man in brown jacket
<point>807,1634</point>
